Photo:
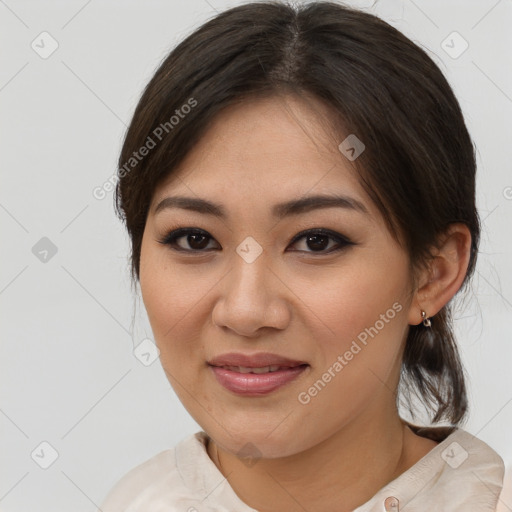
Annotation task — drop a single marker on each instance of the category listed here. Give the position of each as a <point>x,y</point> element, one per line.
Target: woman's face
<point>328,309</point>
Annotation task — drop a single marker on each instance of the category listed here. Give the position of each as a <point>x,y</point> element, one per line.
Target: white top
<point>460,474</point>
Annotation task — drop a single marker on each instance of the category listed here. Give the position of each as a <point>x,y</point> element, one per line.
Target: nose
<point>251,298</point>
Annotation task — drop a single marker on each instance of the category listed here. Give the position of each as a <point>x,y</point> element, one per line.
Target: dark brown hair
<point>418,165</point>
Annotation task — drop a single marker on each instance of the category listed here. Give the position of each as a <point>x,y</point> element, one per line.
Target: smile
<point>247,369</point>
<point>251,381</point>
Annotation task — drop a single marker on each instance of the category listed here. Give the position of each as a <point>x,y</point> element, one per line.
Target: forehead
<point>266,150</point>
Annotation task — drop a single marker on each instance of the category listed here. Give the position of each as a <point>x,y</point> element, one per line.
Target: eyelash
<point>171,238</point>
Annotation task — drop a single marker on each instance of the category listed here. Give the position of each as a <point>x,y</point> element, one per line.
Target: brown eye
<point>196,241</point>
<point>318,241</point>
<point>187,239</point>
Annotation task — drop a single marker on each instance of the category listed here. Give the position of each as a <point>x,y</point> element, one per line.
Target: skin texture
<point>292,301</point>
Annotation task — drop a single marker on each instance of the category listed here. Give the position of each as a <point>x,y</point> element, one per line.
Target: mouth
<point>257,374</point>
<point>257,370</point>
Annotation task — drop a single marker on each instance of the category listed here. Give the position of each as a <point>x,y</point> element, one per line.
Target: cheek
<point>347,302</point>
<point>360,364</point>
<point>175,299</point>
<point>359,355</point>
<point>176,333</point>
<point>166,294</point>
<point>170,309</point>
<point>163,294</point>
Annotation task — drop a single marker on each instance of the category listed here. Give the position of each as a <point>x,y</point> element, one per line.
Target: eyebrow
<point>280,210</point>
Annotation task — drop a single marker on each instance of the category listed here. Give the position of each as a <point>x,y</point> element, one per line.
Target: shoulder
<point>466,473</point>
<point>460,474</point>
<point>157,484</point>
<point>471,458</point>
<point>505,501</point>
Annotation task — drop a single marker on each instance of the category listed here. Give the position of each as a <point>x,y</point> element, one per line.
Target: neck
<point>341,473</point>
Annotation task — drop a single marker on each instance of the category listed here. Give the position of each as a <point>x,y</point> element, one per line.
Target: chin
<point>254,443</point>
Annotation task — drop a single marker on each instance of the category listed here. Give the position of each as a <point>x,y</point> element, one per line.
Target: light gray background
<point>68,373</point>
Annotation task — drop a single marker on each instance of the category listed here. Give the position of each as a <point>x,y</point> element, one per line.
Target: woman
<point>299,187</point>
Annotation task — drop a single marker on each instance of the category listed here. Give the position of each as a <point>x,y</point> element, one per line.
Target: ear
<point>444,274</point>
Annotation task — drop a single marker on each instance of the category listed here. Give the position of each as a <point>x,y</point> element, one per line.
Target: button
<point>391,504</point>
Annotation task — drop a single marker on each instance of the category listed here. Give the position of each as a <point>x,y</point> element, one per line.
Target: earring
<point>426,320</point>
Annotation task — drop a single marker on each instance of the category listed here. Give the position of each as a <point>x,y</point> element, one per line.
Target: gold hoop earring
<point>426,320</point>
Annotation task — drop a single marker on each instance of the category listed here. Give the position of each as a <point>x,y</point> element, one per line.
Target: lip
<point>255,384</point>
<point>257,360</point>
